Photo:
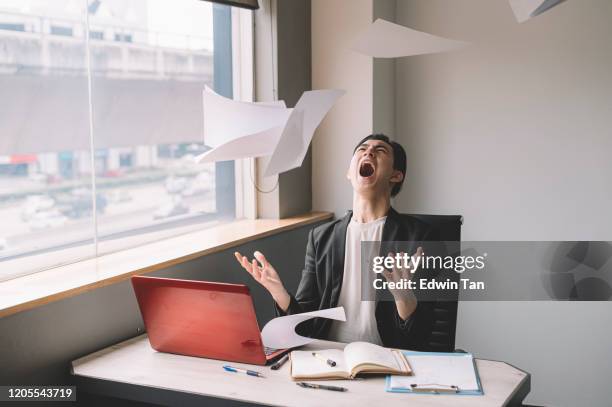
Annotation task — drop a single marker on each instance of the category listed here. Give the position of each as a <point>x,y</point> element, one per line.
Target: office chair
<point>442,338</point>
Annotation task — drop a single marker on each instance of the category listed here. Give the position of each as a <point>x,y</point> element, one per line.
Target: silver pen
<point>321,386</point>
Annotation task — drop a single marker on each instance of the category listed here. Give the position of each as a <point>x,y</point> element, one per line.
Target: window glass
<point>134,89</point>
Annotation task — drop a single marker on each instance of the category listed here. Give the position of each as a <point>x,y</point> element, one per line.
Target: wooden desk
<point>133,370</point>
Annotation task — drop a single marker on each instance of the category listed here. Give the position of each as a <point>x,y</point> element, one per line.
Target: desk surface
<point>135,363</point>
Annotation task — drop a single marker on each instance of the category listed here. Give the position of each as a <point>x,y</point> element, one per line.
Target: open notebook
<point>357,358</point>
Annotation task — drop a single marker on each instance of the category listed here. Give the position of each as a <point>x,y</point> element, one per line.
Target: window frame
<point>243,76</point>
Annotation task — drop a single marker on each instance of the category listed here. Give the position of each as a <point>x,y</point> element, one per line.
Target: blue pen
<point>229,368</point>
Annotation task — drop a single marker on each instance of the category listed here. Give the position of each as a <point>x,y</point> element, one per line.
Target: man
<point>332,273</point>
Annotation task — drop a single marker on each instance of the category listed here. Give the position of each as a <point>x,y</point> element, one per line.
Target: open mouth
<point>366,169</point>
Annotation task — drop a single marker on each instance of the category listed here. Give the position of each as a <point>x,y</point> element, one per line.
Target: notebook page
<point>357,353</point>
<point>439,369</point>
<point>304,364</point>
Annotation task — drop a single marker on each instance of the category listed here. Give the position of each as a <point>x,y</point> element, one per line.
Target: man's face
<point>371,169</point>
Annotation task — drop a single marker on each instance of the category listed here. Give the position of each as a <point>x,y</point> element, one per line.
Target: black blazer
<point>322,276</point>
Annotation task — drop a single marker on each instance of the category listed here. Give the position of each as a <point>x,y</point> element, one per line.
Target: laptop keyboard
<point>269,351</point>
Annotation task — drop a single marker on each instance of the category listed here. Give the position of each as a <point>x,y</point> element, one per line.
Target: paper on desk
<point>227,119</point>
<point>526,9</point>
<point>455,369</point>
<point>384,39</point>
<point>306,116</point>
<point>280,333</point>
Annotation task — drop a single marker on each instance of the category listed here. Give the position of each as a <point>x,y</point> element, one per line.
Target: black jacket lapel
<point>338,247</point>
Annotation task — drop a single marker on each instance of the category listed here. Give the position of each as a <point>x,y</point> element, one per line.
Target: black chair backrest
<point>442,338</point>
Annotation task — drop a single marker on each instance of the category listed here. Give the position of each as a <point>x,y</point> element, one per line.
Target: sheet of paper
<point>455,370</point>
<point>254,145</point>
<point>289,147</point>
<point>526,9</point>
<point>306,116</point>
<point>383,39</point>
<point>280,333</point>
<point>226,119</point>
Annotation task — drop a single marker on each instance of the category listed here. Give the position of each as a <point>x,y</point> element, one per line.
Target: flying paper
<point>240,129</point>
<point>526,9</point>
<point>279,333</point>
<point>254,145</point>
<point>303,121</point>
<point>227,119</point>
<point>384,39</point>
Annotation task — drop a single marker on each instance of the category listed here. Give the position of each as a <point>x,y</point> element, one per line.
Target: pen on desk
<point>280,362</point>
<point>322,358</point>
<point>321,386</point>
<point>229,368</point>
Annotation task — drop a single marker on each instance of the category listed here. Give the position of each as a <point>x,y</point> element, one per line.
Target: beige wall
<point>334,25</point>
<point>515,133</point>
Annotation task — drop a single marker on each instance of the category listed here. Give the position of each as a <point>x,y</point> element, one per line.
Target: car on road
<point>41,178</point>
<point>47,219</point>
<point>78,204</point>
<point>200,184</point>
<point>34,204</point>
<point>175,185</point>
<point>38,177</point>
<point>169,209</point>
<point>119,196</point>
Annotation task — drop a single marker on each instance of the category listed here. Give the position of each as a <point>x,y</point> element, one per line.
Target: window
<point>59,30</point>
<point>101,118</point>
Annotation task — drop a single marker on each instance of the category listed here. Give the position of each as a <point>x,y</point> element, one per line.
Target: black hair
<point>399,157</point>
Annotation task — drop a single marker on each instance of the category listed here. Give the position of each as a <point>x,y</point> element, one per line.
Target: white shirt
<point>360,322</point>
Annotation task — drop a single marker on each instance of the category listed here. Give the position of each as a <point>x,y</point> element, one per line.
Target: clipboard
<point>436,383</point>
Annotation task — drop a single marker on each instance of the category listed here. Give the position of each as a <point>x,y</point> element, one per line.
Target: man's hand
<point>405,300</point>
<point>265,275</point>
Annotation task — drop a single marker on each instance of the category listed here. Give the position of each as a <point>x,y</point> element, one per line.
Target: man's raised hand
<point>263,272</point>
<point>405,300</point>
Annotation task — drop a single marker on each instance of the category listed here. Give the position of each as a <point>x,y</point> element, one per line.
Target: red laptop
<point>201,318</point>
